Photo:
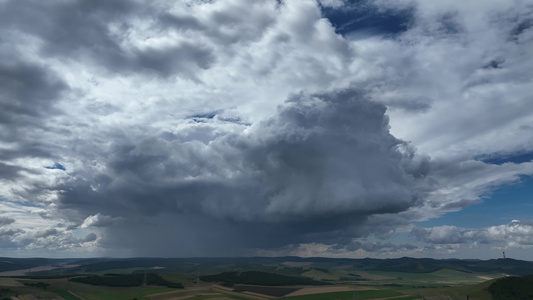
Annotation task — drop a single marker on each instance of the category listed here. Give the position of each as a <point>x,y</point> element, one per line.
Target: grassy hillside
<point>512,288</point>
<point>126,280</point>
<point>259,278</point>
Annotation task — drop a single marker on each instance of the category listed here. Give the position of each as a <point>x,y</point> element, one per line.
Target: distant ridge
<point>212,265</point>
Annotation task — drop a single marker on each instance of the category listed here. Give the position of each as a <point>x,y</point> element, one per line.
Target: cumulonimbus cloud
<point>324,158</point>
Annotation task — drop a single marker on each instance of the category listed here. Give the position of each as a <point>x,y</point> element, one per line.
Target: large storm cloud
<point>324,163</point>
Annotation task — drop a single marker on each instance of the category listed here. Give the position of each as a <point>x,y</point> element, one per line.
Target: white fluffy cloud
<point>465,65</point>
<point>516,234</point>
<point>98,220</point>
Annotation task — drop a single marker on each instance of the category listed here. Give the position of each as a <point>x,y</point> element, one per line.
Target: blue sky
<point>231,127</point>
<point>503,205</point>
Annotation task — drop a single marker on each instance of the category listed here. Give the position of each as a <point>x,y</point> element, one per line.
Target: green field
<point>475,292</point>
<point>443,277</point>
<point>405,291</point>
<point>122,293</point>
<point>119,271</point>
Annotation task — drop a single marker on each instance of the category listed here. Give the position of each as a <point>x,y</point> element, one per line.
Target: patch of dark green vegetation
<point>321,270</point>
<point>5,294</point>
<point>289,271</point>
<point>45,276</point>
<point>259,278</point>
<point>512,288</point>
<point>38,284</point>
<point>266,290</point>
<point>126,280</point>
<point>392,284</point>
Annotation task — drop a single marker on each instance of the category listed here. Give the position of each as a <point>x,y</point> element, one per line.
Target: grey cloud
<point>449,23</point>
<point>80,30</point>
<point>203,133</point>
<point>6,233</point>
<point>9,172</point>
<point>221,21</point>
<point>89,238</point>
<point>23,148</point>
<point>6,221</point>
<point>69,241</point>
<point>376,247</point>
<point>67,27</point>
<point>384,226</point>
<point>45,214</point>
<point>72,227</point>
<point>182,59</point>
<point>523,24</point>
<point>444,235</point>
<point>183,22</point>
<point>45,233</point>
<point>494,64</point>
<point>27,91</point>
<point>102,108</point>
<point>337,147</point>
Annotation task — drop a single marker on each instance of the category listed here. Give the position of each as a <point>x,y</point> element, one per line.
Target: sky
<point>371,128</point>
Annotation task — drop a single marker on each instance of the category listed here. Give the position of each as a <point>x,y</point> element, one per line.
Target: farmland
<point>266,278</point>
